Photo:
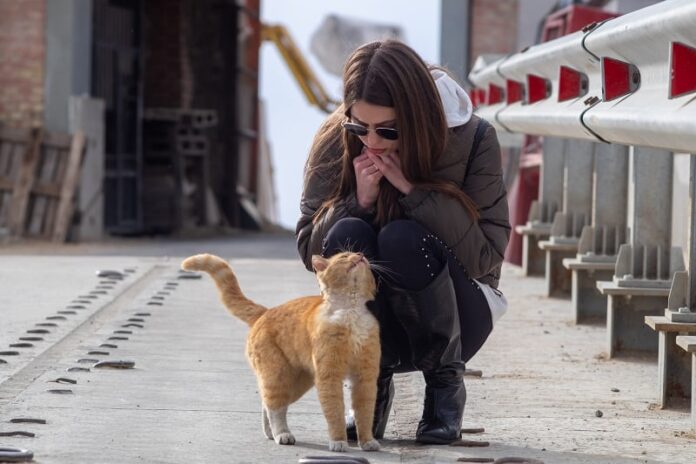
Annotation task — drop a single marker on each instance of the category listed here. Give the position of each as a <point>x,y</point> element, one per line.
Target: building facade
<point>177,82</point>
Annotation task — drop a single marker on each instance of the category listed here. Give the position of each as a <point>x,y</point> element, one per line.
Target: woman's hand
<point>367,177</point>
<point>389,166</point>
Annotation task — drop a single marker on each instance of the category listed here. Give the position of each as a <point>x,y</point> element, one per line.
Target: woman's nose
<point>372,139</point>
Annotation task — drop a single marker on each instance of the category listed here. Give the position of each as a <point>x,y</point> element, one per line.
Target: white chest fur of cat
<point>315,340</point>
<point>352,313</point>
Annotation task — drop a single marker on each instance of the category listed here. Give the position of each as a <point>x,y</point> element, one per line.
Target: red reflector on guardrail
<point>571,84</point>
<point>478,97</point>
<point>682,68</point>
<point>482,96</point>
<point>538,88</point>
<point>495,94</point>
<point>515,91</point>
<point>618,78</point>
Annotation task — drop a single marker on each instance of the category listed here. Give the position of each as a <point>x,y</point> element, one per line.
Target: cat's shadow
<point>387,447</point>
<point>313,446</point>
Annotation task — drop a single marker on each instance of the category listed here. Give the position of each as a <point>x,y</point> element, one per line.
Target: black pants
<point>412,257</point>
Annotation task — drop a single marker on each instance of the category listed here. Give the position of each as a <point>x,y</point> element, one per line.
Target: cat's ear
<point>318,263</point>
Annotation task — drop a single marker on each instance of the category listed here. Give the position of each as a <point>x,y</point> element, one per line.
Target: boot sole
<point>436,441</point>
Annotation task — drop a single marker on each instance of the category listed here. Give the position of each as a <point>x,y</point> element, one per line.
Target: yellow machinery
<point>304,75</point>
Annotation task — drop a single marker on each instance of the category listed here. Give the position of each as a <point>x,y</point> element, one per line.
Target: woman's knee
<point>350,234</point>
<point>400,238</point>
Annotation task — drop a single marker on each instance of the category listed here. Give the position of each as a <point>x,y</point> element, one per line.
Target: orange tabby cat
<point>318,340</point>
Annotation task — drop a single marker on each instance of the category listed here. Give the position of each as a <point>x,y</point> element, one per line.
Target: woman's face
<point>372,117</point>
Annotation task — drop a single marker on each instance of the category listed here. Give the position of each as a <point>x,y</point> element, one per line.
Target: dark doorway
<point>116,78</point>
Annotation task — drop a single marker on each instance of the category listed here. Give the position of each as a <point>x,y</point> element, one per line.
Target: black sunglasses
<point>388,133</point>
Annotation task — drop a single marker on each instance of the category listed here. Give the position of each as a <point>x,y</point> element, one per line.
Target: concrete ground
<point>192,398</point>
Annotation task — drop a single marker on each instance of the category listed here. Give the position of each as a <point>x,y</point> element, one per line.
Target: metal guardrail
<point>629,80</point>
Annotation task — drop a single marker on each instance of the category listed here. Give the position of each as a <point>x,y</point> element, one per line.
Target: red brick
<point>494,27</point>
<point>22,53</point>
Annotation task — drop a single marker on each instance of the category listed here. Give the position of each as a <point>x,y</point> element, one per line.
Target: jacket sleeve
<point>310,233</point>
<point>478,245</point>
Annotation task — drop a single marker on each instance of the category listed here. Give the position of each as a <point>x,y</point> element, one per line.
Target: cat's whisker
<point>378,261</point>
<point>383,270</point>
<point>384,273</point>
<point>345,248</point>
<point>349,247</point>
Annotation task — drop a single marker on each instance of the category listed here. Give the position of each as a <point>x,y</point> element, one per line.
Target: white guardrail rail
<point>629,80</point>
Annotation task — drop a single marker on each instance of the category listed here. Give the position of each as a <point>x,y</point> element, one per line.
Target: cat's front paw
<point>372,445</point>
<point>340,446</point>
<point>286,438</point>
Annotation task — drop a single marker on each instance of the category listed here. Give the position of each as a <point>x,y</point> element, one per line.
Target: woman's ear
<point>319,264</point>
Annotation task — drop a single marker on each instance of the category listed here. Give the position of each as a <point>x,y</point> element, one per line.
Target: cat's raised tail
<point>228,286</point>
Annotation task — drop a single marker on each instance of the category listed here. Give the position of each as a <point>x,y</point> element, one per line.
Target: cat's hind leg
<point>279,386</point>
<point>279,426</point>
<point>265,423</point>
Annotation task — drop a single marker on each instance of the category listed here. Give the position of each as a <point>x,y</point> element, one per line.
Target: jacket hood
<point>455,101</point>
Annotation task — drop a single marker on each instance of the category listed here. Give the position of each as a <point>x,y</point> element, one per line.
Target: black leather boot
<point>430,319</point>
<point>443,409</point>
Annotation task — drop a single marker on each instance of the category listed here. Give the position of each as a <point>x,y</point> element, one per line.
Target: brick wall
<point>162,31</point>
<point>22,57</point>
<point>493,27</point>
<point>184,46</point>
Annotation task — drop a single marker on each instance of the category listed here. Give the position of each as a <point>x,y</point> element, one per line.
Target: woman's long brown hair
<point>389,73</point>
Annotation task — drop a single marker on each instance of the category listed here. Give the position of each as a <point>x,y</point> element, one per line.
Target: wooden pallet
<point>39,172</point>
<point>15,144</point>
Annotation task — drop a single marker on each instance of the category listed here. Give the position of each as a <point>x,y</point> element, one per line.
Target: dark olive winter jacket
<point>478,245</point>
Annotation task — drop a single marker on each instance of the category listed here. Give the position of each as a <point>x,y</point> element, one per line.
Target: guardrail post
<point>645,265</point>
<point>599,243</point>
<point>691,293</point>
<point>674,364</point>
<point>568,224</point>
<point>543,210</point>
<point>681,306</point>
